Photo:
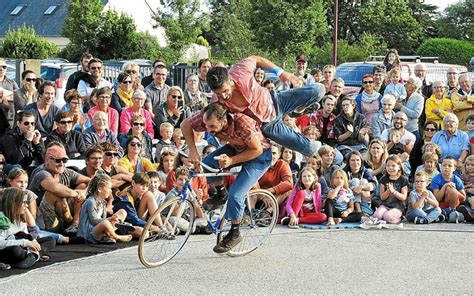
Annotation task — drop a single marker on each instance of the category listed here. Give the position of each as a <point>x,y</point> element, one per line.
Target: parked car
<point>353,72</point>
<point>58,72</point>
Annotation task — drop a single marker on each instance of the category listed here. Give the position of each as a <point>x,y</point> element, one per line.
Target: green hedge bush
<point>450,51</point>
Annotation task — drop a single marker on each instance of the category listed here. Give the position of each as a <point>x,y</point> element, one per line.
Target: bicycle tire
<point>159,248</point>
<point>253,234</point>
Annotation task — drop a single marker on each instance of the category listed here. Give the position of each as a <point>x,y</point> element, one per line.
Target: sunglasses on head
<point>59,160</point>
<point>30,79</point>
<point>111,154</point>
<point>127,82</point>
<point>138,124</point>
<point>27,123</point>
<point>135,144</point>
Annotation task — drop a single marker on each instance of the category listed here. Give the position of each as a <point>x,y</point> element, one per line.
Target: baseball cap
<point>301,57</point>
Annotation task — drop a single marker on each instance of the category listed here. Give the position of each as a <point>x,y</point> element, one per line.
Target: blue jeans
<point>251,171</point>
<point>429,214</point>
<point>286,102</point>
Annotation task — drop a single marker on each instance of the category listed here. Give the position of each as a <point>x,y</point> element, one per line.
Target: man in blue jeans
<point>246,147</point>
<point>239,92</point>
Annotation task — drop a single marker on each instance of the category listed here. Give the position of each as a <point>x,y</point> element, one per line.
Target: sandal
<point>124,227</point>
<point>107,241</point>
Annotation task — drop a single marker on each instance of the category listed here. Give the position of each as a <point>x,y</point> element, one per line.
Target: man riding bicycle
<point>246,146</point>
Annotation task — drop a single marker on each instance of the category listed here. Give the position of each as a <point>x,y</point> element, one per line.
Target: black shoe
<point>124,227</point>
<point>467,212</point>
<point>28,262</point>
<point>441,218</point>
<point>228,243</point>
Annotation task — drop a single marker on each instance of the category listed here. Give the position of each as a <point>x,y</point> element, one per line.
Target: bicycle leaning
<point>155,248</point>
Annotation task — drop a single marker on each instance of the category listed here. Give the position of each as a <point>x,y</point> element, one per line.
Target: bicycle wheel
<point>258,221</point>
<point>158,247</point>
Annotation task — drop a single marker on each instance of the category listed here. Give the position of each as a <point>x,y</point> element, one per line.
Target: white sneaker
<point>367,225</point>
<point>200,222</point>
<point>181,223</point>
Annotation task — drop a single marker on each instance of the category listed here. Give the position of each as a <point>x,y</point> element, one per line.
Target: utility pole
<point>334,33</point>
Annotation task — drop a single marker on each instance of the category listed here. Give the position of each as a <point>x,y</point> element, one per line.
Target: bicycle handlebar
<point>210,169</point>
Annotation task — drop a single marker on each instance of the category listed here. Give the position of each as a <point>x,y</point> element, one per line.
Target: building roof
<point>34,13</point>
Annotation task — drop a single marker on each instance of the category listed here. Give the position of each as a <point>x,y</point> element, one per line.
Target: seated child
<point>339,204</point>
<point>429,166</point>
<point>94,226</point>
<point>423,208</point>
<point>154,188</point>
<point>166,133</point>
<point>304,203</point>
<point>394,139</point>
<point>467,207</point>
<point>449,190</point>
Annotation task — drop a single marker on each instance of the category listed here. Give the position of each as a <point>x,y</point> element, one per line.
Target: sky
<point>442,4</point>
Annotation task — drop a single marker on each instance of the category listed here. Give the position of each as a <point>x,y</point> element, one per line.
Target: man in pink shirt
<point>239,92</point>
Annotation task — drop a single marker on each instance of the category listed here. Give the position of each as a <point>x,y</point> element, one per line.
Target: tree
<point>231,32</point>
<point>288,27</point>
<point>457,21</point>
<point>107,35</point>
<point>182,22</point>
<point>23,43</point>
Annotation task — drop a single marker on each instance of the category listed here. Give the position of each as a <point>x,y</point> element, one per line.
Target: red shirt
<point>278,177</point>
<point>260,105</point>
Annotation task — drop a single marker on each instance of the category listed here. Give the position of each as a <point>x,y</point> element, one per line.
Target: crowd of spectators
<point>94,170</point>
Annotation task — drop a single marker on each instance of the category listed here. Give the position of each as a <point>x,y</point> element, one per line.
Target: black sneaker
<point>441,218</point>
<point>285,221</point>
<point>228,243</point>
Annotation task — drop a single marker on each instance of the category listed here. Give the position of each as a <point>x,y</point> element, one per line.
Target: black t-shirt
<point>398,184</point>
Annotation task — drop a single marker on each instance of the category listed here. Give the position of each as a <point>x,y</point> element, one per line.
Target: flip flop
<point>107,241</point>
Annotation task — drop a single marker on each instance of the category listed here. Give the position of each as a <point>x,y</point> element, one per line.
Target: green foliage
<point>23,43</point>
<point>107,35</point>
<point>458,21</point>
<point>202,41</point>
<point>288,27</point>
<point>182,23</point>
<point>449,51</point>
<point>368,45</point>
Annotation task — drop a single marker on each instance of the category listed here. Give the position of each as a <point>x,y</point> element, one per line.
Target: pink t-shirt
<point>112,115</point>
<point>260,105</point>
<point>126,117</point>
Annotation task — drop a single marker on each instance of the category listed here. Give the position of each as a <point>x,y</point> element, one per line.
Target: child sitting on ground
<point>467,207</point>
<point>304,203</point>
<point>94,226</point>
<point>429,166</point>
<point>154,188</point>
<point>166,133</point>
<point>339,204</point>
<point>423,208</point>
<point>449,190</point>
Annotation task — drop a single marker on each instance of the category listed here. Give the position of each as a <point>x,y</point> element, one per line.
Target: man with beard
<point>246,147</point>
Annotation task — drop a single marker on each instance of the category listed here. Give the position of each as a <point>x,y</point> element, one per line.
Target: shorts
<point>50,218</point>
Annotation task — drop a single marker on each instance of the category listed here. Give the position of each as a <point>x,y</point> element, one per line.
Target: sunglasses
<point>176,97</point>
<point>2,162</point>
<point>127,82</point>
<point>103,97</point>
<point>30,79</point>
<point>96,68</point>
<point>138,124</point>
<point>27,123</point>
<point>59,160</point>
<point>75,102</point>
<point>131,72</point>
<point>367,82</point>
<point>66,122</point>
<point>3,66</point>
<point>430,129</point>
<point>111,154</point>
<point>135,144</point>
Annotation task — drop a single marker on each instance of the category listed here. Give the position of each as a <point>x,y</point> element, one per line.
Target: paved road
<point>428,259</point>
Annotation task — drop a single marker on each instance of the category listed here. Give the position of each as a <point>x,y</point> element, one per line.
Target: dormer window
<point>50,10</point>
<point>17,10</point>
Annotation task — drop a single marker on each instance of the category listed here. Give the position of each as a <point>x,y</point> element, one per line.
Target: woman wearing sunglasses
<point>173,110</point>
<point>137,129</point>
<point>122,97</point>
<point>138,100</point>
<point>133,162</point>
<point>28,93</point>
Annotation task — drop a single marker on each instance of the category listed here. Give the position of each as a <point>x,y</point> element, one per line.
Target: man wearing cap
<point>54,183</point>
<point>301,66</point>
<point>239,92</point>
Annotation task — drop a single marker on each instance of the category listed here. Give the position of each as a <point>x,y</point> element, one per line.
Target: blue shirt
<point>452,146</point>
<point>438,182</point>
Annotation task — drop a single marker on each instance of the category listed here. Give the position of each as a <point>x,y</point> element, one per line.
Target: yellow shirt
<point>444,106</point>
<point>144,163</point>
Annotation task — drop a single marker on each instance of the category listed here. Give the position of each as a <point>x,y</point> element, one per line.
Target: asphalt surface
<point>426,259</point>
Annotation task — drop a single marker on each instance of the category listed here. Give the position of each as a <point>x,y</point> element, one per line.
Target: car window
<point>352,73</point>
<point>48,73</point>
